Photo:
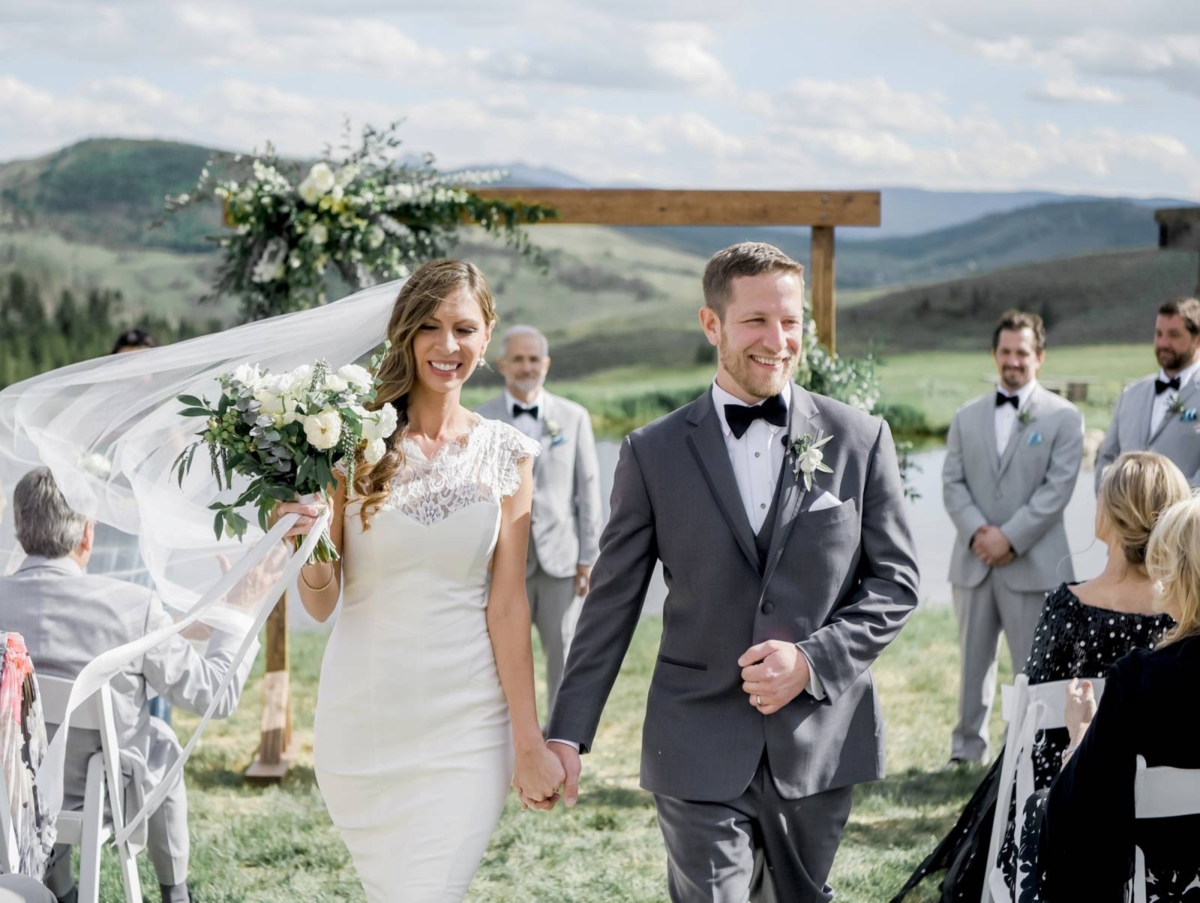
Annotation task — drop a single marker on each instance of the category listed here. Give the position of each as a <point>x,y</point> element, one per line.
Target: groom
<point>762,713</point>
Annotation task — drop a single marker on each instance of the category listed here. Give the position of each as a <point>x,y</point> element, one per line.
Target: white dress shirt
<point>1006,414</point>
<point>528,424</point>
<point>757,457</point>
<point>1163,402</point>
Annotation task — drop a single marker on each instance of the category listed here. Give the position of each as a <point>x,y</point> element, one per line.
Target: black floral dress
<point>1072,640</point>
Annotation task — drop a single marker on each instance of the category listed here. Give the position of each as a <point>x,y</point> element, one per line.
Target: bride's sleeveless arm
<point>320,584</point>
<point>538,771</point>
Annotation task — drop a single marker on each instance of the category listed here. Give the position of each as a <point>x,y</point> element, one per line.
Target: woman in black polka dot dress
<point>1083,630</point>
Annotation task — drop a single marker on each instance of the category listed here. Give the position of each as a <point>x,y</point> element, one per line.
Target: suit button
<point>768,607</point>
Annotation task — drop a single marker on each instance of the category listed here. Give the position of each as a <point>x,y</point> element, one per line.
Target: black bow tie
<point>1002,399</point>
<point>532,410</point>
<point>1160,386</point>
<point>739,416</point>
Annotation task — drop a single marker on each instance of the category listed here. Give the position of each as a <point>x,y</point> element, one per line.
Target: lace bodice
<point>482,466</point>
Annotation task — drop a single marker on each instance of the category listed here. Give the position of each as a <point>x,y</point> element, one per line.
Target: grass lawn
<point>938,382</point>
<point>276,843</point>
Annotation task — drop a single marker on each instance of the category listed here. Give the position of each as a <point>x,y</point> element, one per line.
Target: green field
<point>276,844</point>
<point>939,382</point>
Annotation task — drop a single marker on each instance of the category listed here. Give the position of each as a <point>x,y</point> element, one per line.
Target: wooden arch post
<point>821,210</point>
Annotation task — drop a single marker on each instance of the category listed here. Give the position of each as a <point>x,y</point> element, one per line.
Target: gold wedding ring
<point>758,700</point>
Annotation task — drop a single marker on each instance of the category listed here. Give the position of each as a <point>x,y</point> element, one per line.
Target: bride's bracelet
<point>325,586</point>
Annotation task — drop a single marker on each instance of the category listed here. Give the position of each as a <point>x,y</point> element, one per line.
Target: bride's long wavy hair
<point>418,300</point>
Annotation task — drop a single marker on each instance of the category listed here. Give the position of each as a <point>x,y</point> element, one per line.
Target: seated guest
<point>68,618</point>
<point>1084,628</point>
<point>1088,830</point>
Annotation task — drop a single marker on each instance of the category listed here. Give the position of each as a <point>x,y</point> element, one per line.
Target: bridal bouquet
<point>288,433</point>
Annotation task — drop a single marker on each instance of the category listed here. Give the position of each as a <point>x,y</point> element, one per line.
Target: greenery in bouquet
<point>288,433</point>
<point>365,217</point>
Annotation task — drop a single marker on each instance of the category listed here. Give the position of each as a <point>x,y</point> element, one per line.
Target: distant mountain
<point>1090,299</point>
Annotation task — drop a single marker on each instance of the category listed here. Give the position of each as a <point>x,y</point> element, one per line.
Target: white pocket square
<point>825,500</point>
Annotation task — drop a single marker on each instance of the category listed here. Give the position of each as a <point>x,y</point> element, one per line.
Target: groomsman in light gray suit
<point>565,525</point>
<point>67,618</point>
<point>1012,459</point>
<point>779,518</point>
<point>1159,413</point>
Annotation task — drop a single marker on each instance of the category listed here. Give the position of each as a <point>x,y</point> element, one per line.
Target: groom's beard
<point>754,381</point>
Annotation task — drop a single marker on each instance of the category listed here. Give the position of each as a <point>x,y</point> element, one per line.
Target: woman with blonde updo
<point>1083,630</point>
<point>425,709</point>
<point>1088,831</point>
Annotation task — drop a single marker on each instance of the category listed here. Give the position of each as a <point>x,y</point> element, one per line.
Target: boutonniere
<point>1175,406</point>
<point>555,432</point>
<point>1035,438</point>
<point>808,458</point>
<point>1025,417</point>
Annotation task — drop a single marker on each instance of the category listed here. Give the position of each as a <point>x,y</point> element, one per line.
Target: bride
<point>425,707</point>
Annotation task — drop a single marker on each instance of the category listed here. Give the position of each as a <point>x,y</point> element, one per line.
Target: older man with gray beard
<point>565,526</point>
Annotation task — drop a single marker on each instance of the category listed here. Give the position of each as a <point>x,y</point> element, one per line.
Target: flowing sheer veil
<point>109,429</point>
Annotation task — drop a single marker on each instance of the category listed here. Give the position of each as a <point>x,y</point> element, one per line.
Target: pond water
<point>930,524</point>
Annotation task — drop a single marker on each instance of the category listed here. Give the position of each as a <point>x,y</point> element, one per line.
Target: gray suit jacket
<point>566,520</point>
<point>1175,437</point>
<point>68,618</point>
<point>1023,492</point>
<point>839,582</point>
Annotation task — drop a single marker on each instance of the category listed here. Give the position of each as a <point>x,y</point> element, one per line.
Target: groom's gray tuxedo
<point>1023,491</point>
<point>1175,437</point>
<point>839,582</point>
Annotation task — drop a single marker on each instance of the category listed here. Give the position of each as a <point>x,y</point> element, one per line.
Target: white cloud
<point>867,103</point>
<point>1067,90</point>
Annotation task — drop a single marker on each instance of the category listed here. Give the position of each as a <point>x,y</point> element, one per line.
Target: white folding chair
<point>91,827</point>
<point>1161,792</point>
<point>1027,708</point>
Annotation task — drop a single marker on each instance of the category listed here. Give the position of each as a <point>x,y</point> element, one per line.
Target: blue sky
<point>1100,97</point>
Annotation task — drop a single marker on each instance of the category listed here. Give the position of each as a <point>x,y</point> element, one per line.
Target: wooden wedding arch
<point>823,211</point>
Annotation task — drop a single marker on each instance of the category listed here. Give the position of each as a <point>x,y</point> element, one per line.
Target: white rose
<point>322,177</point>
<point>319,234</point>
<point>248,375</point>
<point>379,424</point>
<point>375,237</point>
<point>375,451</point>
<point>337,192</point>
<point>270,266</point>
<point>323,430</point>
<point>336,383</point>
<point>308,192</point>
<point>300,378</point>
<point>388,420</point>
<point>812,459</point>
<point>359,377</point>
<point>269,403</point>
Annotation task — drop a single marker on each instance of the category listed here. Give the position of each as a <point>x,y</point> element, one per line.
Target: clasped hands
<point>773,674</point>
<point>992,547</point>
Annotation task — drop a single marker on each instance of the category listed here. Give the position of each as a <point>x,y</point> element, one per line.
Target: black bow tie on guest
<point>1160,386</point>
<point>1002,399</point>
<point>532,410</point>
<point>739,416</point>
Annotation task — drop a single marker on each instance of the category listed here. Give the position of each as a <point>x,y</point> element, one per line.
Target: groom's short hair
<point>747,258</point>
<point>1017,320</point>
<point>1188,309</point>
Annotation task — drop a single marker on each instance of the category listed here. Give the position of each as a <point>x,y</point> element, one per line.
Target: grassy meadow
<point>257,844</point>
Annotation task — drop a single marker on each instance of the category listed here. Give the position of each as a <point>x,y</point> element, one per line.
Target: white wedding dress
<point>413,746</point>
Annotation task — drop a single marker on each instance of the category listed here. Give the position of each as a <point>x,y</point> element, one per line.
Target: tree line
<point>40,333</point>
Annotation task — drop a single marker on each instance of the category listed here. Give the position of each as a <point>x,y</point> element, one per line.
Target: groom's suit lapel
<point>804,420</point>
<point>707,443</point>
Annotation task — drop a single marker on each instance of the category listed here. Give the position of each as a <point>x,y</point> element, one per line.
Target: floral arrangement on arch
<point>367,217</point>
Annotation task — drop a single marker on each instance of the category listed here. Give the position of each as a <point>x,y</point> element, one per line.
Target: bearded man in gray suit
<point>564,532</point>
<point>1012,458</point>
<point>67,618</point>
<point>778,516</point>
<point>1159,413</point>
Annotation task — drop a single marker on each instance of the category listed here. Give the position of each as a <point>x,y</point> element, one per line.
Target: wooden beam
<point>653,207</point>
<point>821,277</point>
<point>275,753</point>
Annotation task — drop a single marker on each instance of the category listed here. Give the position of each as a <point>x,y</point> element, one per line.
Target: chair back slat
<point>55,691</point>
<point>1164,792</point>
